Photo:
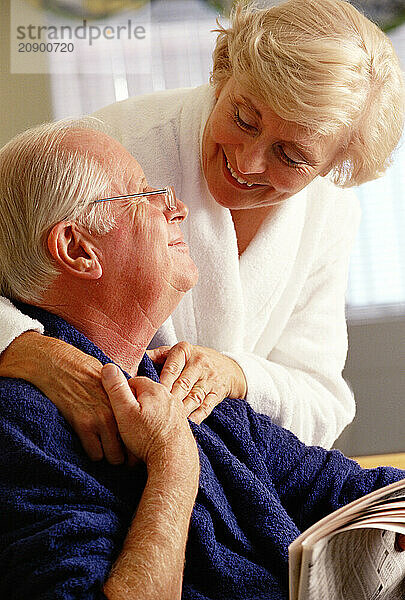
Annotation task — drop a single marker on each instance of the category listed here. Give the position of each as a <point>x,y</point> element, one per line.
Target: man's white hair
<point>43,182</point>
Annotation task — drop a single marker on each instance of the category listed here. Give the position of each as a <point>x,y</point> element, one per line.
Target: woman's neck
<point>247,223</point>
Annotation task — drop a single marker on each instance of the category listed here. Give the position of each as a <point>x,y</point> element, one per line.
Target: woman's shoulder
<point>332,215</point>
<point>138,115</point>
<point>336,204</point>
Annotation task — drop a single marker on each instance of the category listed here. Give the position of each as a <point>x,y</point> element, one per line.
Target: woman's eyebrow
<point>250,106</point>
<point>303,150</point>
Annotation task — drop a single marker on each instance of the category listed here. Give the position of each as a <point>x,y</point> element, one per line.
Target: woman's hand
<point>200,376</point>
<point>151,421</point>
<point>72,381</point>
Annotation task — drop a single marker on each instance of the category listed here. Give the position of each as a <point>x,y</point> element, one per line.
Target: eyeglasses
<point>168,193</point>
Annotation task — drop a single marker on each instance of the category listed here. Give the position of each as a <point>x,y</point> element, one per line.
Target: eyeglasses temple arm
<point>139,195</point>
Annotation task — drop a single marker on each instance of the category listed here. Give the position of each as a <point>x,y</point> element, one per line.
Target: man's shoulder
<point>25,409</point>
<point>11,387</point>
<point>236,419</point>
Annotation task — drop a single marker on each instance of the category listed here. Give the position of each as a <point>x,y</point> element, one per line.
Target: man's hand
<point>154,426</point>
<point>151,421</point>
<point>201,377</point>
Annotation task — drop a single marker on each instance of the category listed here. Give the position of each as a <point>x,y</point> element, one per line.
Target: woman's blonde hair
<point>42,183</point>
<point>324,66</point>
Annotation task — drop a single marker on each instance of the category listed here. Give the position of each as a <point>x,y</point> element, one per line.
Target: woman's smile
<point>251,157</point>
<point>236,178</point>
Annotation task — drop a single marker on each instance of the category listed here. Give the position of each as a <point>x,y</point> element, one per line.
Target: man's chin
<point>188,279</point>
<point>190,282</point>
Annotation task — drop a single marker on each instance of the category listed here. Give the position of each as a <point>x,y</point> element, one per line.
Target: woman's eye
<point>284,156</point>
<point>241,121</point>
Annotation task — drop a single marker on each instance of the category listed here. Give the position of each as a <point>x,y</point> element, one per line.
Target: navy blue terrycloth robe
<point>64,518</point>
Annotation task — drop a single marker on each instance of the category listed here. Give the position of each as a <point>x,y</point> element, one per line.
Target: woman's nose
<point>251,158</point>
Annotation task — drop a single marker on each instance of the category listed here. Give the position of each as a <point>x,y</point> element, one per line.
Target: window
<point>377,271</point>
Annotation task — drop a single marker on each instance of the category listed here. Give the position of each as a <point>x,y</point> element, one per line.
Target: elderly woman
<point>299,91</point>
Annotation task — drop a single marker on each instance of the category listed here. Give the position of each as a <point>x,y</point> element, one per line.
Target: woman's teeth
<point>236,176</point>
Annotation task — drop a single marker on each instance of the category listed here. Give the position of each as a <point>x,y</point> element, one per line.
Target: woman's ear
<point>74,250</point>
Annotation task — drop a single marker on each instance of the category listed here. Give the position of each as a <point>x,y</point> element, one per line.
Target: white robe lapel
<point>213,312</point>
<point>266,264</point>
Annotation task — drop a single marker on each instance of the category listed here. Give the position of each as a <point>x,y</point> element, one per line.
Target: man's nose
<point>251,158</point>
<point>179,213</point>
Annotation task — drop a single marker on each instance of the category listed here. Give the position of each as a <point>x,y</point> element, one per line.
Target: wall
<point>25,100</point>
<point>375,370</point>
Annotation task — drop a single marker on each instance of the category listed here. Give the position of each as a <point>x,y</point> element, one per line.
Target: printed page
<point>354,565</point>
<point>324,529</point>
<point>346,513</point>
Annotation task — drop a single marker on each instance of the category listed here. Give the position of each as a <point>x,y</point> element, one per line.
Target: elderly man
<point>99,259</point>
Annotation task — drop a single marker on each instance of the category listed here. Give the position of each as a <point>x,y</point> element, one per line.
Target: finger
<point>206,408</point>
<point>139,385</point>
<point>92,445</point>
<point>195,398</point>
<point>159,355</point>
<point>174,365</point>
<point>119,392</point>
<point>189,383</point>
<point>113,447</point>
<point>133,460</point>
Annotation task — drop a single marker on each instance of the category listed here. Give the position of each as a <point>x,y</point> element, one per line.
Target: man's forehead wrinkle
<point>125,173</point>
<point>93,143</point>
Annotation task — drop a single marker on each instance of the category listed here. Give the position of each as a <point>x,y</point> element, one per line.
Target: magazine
<point>351,554</point>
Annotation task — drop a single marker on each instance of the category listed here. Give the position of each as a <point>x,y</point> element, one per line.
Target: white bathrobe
<point>278,310</point>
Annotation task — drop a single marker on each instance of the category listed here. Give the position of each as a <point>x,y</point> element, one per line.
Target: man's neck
<point>124,340</point>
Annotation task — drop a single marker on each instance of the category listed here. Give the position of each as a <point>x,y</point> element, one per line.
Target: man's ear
<point>74,250</point>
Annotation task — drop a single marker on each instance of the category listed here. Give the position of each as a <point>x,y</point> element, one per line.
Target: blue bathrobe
<point>64,518</point>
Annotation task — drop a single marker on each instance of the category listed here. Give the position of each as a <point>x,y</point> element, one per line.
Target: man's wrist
<point>19,358</point>
<point>178,462</point>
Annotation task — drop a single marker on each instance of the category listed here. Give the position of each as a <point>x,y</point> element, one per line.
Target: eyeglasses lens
<point>170,199</point>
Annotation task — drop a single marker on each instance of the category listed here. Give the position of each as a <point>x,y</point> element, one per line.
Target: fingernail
<point>109,372</point>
